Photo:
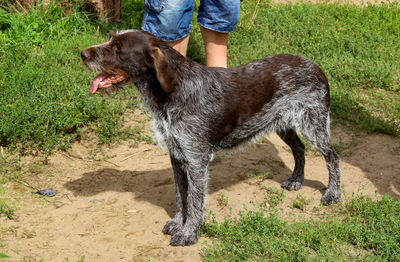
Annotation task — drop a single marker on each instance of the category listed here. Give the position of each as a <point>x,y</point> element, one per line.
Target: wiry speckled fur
<point>210,109</point>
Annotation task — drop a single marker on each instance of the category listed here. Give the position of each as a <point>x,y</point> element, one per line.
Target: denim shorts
<point>170,20</point>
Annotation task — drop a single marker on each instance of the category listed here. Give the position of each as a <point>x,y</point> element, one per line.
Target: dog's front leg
<point>181,185</point>
<point>191,178</point>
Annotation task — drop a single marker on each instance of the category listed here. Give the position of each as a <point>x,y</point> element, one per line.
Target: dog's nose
<point>85,55</point>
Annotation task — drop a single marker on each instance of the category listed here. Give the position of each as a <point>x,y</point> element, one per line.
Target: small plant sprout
<point>300,202</point>
<point>222,200</point>
<point>274,197</point>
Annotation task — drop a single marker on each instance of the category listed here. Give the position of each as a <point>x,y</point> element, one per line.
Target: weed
<point>300,202</point>
<point>82,259</point>
<point>10,169</point>
<point>222,200</point>
<point>274,196</point>
<point>7,210</point>
<point>316,209</point>
<point>2,255</point>
<point>262,176</point>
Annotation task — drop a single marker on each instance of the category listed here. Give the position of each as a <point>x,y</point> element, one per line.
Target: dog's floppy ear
<point>165,74</point>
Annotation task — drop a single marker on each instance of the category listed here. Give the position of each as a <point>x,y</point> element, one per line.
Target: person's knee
<point>169,20</point>
<point>221,16</point>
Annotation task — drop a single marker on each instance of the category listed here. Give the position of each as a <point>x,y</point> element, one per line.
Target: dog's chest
<point>162,131</point>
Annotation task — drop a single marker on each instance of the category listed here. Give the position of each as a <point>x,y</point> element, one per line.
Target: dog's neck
<point>189,91</point>
<point>152,93</point>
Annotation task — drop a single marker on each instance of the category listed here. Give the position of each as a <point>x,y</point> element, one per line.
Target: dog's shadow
<point>157,186</point>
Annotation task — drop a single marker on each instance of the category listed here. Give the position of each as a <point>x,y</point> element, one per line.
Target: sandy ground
<point>113,208</point>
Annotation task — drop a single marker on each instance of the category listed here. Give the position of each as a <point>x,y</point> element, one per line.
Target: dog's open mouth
<point>105,80</point>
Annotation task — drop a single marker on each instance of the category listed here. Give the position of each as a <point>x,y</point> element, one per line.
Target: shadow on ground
<point>156,186</point>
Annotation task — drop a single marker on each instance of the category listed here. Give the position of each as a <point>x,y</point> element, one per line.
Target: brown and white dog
<point>198,110</point>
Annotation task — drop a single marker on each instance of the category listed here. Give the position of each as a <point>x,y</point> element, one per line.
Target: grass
<point>82,259</point>
<point>44,103</point>
<point>10,170</point>
<point>261,177</point>
<point>274,196</point>
<point>300,202</point>
<point>365,230</point>
<point>222,200</point>
<point>6,209</point>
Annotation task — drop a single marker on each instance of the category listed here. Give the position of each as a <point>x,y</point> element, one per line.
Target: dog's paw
<point>171,227</point>
<point>331,197</point>
<point>183,238</point>
<point>293,183</point>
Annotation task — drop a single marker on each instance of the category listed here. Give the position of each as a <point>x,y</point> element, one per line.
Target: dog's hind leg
<point>333,194</point>
<point>295,181</point>
<point>181,185</point>
<point>318,134</point>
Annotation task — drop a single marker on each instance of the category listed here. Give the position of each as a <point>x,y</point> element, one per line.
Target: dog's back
<point>272,94</point>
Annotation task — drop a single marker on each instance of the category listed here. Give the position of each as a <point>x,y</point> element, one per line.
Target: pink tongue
<point>96,82</point>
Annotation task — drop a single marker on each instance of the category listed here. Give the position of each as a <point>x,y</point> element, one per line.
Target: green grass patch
<point>300,202</point>
<point>274,196</point>
<point>222,200</point>
<point>6,209</point>
<point>4,255</point>
<point>10,169</point>
<point>45,103</point>
<point>364,230</point>
<point>261,176</point>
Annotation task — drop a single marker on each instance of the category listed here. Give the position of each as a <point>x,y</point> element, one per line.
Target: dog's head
<point>126,57</point>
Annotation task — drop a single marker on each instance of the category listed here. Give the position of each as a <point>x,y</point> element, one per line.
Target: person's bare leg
<point>216,45</point>
<point>180,45</point>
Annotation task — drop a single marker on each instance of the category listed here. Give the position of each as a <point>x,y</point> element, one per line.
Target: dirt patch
<point>112,205</point>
